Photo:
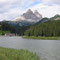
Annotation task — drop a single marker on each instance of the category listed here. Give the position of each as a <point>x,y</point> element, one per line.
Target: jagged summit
<point>29,11</point>
<point>29,16</point>
<point>38,14</point>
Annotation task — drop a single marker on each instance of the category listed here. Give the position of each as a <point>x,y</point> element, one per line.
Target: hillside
<point>50,28</point>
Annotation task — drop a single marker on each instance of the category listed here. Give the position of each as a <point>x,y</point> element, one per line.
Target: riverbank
<point>43,38</point>
<point>14,54</point>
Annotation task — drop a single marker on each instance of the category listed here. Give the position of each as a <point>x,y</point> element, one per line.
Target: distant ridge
<point>56,17</point>
<point>25,21</point>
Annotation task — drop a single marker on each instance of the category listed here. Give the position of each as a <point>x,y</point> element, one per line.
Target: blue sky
<point>33,3</point>
<point>10,9</point>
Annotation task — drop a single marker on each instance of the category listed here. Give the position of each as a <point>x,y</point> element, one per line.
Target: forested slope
<point>50,28</point>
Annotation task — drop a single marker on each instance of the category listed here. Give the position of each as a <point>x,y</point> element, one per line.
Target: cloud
<point>51,1</point>
<point>46,10</point>
<point>10,9</point>
<point>56,1</point>
<point>11,14</point>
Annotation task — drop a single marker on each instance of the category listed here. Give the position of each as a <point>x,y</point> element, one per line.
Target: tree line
<point>48,29</point>
<point>4,26</point>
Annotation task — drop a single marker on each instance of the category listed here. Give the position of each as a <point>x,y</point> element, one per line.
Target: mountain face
<point>38,14</point>
<point>29,16</point>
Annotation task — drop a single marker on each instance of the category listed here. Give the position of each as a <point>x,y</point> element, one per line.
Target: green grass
<point>14,54</point>
<point>43,38</point>
<point>3,32</point>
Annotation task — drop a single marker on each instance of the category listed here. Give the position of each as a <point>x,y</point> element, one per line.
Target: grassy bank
<point>13,54</point>
<point>43,38</point>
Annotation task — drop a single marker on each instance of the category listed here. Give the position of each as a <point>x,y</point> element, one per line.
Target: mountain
<point>38,14</point>
<point>29,16</point>
<point>56,17</point>
<point>43,20</point>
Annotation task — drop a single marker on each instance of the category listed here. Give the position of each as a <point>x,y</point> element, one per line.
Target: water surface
<point>47,49</point>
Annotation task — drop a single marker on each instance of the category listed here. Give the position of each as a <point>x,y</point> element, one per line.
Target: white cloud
<point>11,14</point>
<point>10,9</point>
<point>47,11</point>
<point>51,1</point>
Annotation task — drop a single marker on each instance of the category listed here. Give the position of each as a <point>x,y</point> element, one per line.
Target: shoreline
<point>41,38</point>
<point>34,37</point>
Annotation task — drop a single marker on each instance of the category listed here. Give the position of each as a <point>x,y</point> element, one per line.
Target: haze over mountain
<point>29,16</point>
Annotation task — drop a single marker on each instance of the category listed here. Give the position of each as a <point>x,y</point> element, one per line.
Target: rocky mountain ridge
<point>29,16</point>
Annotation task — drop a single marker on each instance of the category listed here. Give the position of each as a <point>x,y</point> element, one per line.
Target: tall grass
<point>13,54</point>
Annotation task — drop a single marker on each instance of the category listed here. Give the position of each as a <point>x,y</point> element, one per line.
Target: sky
<point>10,9</point>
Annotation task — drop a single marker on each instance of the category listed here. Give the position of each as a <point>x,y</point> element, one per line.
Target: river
<point>46,49</point>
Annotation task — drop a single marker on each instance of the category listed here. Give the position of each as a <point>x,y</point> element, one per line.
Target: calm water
<point>47,49</point>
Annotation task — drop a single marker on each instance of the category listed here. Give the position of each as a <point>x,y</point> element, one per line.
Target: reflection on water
<point>47,49</point>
